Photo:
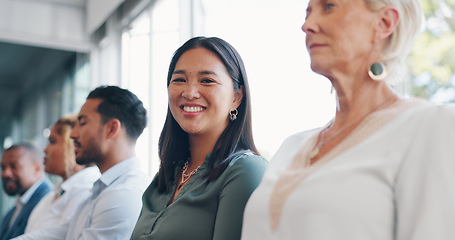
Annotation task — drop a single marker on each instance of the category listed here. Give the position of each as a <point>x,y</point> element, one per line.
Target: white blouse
<point>392,178</point>
<point>59,205</point>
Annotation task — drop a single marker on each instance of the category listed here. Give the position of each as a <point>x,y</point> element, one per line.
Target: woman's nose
<point>191,91</point>
<point>309,25</point>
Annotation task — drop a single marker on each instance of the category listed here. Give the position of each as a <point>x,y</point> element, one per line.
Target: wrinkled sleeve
<point>241,180</point>
<point>114,216</point>
<point>51,233</point>
<point>425,184</point>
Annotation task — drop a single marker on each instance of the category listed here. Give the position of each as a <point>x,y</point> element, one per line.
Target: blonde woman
<point>58,206</point>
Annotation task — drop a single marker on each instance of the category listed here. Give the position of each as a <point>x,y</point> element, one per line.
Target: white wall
<point>56,24</point>
<point>98,11</point>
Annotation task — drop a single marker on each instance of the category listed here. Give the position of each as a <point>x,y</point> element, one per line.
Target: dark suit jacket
<point>20,223</point>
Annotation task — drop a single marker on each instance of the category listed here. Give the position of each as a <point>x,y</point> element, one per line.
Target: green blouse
<point>202,210</point>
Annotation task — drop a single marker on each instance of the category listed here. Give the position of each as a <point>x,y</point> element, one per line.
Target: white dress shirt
<point>110,213</point>
<point>60,205</point>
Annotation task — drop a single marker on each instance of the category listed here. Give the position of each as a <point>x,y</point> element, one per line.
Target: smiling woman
<point>209,163</point>
<point>201,93</point>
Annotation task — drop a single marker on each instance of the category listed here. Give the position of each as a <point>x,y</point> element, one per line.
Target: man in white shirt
<point>109,124</point>
<point>22,175</point>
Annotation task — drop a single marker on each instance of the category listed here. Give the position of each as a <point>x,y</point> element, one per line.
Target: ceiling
<point>22,70</point>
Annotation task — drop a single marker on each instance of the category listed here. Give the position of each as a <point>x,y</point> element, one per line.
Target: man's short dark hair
<point>35,154</point>
<point>123,105</point>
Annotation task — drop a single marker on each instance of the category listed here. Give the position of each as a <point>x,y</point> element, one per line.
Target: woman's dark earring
<point>233,114</point>
<point>377,71</point>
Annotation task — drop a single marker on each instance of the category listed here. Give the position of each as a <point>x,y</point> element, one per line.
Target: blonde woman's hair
<point>64,126</point>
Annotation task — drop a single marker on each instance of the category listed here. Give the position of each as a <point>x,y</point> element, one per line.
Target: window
<point>147,47</point>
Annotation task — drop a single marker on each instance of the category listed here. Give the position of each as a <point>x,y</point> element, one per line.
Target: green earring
<point>377,71</point>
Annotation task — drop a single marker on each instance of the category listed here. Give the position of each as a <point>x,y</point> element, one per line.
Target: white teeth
<point>192,109</point>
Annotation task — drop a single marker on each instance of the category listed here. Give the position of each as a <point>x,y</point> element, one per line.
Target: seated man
<point>22,175</point>
<point>109,124</point>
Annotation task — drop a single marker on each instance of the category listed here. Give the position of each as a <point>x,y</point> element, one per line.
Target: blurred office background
<point>53,52</point>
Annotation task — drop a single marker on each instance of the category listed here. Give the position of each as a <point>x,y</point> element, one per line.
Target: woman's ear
<point>388,22</point>
<point>238,96</point>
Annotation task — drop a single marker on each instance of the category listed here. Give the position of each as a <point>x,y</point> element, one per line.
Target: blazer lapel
<point>18,227</point>
<point>5,224</point>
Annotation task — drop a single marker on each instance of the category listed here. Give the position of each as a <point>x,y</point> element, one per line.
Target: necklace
<point>186,176</point>
<point>320,143</point>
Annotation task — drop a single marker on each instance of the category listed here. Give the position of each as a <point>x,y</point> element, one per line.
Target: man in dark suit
<point>22,175</point>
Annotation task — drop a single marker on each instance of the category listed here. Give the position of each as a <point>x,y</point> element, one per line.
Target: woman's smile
<point>192,109</point>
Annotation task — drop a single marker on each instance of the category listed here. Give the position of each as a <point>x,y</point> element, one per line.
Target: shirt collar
<point>113,173</point>
<point>76,179</point>
<point>28,194</point>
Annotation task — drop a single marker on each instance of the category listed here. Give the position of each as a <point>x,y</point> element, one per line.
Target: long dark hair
<point>236,139</point>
